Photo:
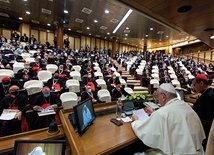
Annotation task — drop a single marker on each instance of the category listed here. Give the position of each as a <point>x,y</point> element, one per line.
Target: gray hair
<point>169,95</point>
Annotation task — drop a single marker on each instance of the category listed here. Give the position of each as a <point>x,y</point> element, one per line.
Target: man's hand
<point>134,117</point>
<point>36,108</point>
<point>18,115</point>
<point>148,110</point>
<point>54,106</point>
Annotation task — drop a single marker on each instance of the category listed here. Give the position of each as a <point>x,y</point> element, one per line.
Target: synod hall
<point>85,77</point>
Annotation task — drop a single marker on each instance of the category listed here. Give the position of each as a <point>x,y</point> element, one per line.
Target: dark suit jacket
<point>85,95</point>
<point>31,74</point>
<point>22,103</point>
<point>52,99</point>
<point>118,94</point>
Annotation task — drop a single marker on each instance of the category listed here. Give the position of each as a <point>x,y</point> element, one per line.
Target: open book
<point>46,111</point>
<point>8,114</point>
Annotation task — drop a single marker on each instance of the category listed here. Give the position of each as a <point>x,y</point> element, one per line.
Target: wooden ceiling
<point>169,26</point>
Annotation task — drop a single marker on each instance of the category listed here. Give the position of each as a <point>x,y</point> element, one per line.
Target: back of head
<point>202,78</point>
<point>168,90</point>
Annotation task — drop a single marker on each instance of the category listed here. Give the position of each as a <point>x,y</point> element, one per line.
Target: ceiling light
<point>123,20</point>
<point>28,12</point>
<point>108,33</point>
<point>127,28</point>
<point>65,11</point>
<point>209,29</point>
<point>69,29</point>
<point>105,37</point>
<point>96,21</point>
<point>106,11</point>
<point>146,35</point>
<point>89,34</point>
<point>151,28</point>
<point>87,28</point>
<point>125,38</point>
<point>49,24</point>
<point>20,18</point>
<point>167,36</point>
<point>212,37</point>
<point>25,0</point>
<point>142,39</point>
<point>184,9</point>
<point>126,34</point>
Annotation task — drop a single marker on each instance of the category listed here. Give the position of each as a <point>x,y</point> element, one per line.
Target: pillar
<point>114,46</point>
<point>145,48</point>
<point>60,36</point>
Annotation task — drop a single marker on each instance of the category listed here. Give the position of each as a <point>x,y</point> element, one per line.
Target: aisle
<point>130,80</point>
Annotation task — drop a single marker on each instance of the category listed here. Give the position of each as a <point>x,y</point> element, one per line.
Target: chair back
<point>44,75</point>
<point>69,99</point>
<point>51,67</point>
<point>33,86</point>
<point>75,75</point>
<point>6,72</point>
<point>102,83</point>
<point>104,95</point>
<point>77,68</point>
<point>73,85</point>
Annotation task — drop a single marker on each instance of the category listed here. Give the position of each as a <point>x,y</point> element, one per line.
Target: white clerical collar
<point>170,101</point>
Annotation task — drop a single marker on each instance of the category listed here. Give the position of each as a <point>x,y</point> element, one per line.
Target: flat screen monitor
<point>180,94</point>
<point>84,115</point>
<point>41,147</point>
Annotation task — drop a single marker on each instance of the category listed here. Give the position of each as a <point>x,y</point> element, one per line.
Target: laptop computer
<point>128,107</point>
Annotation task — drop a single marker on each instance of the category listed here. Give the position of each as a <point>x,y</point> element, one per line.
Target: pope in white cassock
<point>174,129</point>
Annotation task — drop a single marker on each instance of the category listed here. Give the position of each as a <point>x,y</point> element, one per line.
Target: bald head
<point>13,88</point>
<point>46,90</point>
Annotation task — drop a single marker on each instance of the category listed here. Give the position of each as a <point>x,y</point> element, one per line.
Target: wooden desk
<point>7,142</point>
<point>102,137</point>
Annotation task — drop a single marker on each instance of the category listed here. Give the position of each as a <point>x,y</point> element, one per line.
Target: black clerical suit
<point>29,75</point>
<point>85,95</point>
<point>204,107</point>
<point>44,121</point>
<point>118,93</point>
<point>20,102</point>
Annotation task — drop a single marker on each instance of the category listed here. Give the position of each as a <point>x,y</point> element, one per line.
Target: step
<point>143,92</point>
<point>133,81</point>
<point>135,84</point>
<point>140,88</point>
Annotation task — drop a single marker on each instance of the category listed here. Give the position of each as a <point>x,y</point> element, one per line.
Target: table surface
<point>102,137</point>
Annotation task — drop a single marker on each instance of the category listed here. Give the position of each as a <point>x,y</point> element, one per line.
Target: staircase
<point>130,80</point>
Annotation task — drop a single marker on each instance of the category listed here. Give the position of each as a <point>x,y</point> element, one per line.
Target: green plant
<point>137,97</point>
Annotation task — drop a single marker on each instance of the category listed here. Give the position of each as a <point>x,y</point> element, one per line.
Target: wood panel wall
<point>75,43</point>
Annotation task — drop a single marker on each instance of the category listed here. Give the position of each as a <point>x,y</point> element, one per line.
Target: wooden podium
<point>102,137</point>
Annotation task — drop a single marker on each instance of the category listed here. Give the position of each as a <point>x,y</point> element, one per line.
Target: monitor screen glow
<point>84,114</point>
<point>40,147</point>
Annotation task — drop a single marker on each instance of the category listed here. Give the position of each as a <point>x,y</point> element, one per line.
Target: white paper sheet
<point>141,114</point>
<point>126,119</point>
<point>8,114</point>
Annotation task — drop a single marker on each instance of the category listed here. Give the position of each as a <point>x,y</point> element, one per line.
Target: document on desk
<point>141,114</point>
<point>8,114</point>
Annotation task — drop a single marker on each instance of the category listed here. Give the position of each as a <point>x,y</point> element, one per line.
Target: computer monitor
<point>84,115</point>
<point>41,147</point>
<point>180,94</point>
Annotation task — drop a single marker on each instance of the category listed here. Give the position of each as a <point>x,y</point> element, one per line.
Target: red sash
<point>92,85</point>
<point>56,86</point>
<point>57,120</point>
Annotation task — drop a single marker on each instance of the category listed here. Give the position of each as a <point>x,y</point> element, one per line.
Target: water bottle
<point>118,109</point>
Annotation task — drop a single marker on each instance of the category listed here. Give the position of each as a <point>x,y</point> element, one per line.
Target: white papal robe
<point>174,129</point>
